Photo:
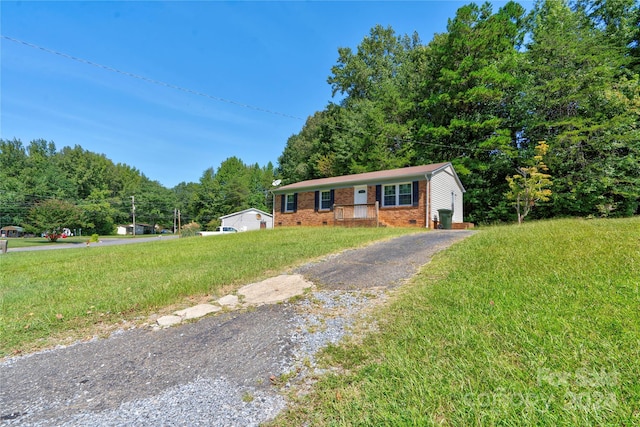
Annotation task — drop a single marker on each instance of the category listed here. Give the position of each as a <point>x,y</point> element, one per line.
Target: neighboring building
<point>12,231</point>
<point>248,219</point>
<point>140,229</point>
<point>398,198</point>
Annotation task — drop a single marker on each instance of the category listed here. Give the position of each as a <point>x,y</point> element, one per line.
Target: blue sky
<point>254,72</point>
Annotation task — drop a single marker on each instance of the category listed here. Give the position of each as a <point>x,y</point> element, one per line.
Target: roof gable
<point>245,211</point>
<point>409,173</point>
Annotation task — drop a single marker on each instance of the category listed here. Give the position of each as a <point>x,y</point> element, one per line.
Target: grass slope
<point>530,325</point>
<point>48,296</point>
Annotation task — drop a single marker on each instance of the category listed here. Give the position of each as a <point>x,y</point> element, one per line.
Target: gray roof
<point>12,228</point>
<point>412,172</point>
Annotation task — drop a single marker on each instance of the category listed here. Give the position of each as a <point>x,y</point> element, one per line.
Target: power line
<point>249,106</point>
<point>399,140</point>
<point>149,80</point>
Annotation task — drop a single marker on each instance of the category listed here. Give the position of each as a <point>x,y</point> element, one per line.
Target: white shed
<point>248,219</point>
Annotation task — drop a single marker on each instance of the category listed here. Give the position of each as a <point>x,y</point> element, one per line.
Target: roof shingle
<point>365,178</point>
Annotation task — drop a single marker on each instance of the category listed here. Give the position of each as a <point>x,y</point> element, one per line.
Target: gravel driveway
<point>223,370</point>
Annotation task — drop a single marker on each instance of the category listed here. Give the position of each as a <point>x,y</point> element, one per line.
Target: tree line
<point>483,95</point>
<point>44,189</point>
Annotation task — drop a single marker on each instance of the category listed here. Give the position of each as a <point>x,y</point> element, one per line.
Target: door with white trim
<point>360,201</point>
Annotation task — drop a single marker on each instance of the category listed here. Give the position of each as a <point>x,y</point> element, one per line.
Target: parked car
<point>226,230</point>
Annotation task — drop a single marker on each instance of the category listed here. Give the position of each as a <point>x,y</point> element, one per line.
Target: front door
<point>360,201</point>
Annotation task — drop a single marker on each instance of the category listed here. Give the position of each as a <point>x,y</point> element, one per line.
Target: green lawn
<point>518,325</point>
<point>47,297</point>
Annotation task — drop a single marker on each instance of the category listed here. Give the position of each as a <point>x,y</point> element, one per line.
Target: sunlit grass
<point>530,325</point>
<point>45,294</point>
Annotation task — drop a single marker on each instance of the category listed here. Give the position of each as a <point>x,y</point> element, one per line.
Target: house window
<point>389,195</point>
<point>290,204</point>
<point>325,200</point>
<point>398,195</point>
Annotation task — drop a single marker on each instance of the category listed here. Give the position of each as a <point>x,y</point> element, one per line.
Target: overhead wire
<point>336,127</point>
<point>149,80</point>
<point>362,133</point>
<point>216,98</point>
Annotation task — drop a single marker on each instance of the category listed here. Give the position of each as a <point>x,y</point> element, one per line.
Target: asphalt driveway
<point>224,370</point>
<point>107,241</point>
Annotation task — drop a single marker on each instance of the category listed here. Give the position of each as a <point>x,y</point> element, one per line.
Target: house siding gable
<point>247,220</point>
<point>443,186</point>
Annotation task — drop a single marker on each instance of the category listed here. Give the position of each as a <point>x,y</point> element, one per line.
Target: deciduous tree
<point>53,215</point>
<point>530,185</point>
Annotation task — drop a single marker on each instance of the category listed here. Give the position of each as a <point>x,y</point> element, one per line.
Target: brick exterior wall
<point>305,215</point>
<point>405,216</point>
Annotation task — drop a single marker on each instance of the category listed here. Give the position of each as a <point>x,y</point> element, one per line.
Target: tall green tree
<point>42,174</point>
<point>470,111</point>
<point>99,213</point>
<point>204,200</point>
<point>634,43</point>
<point>53,215</point>
<point>88,171</point>
<point>154,204</point>
<point>233,181</point>
<point>370,127</point>
<point>311,153</point>
<point>14,204</point>
<point>587,111</point>
<point>260,182</point>
<point>185,194</point>
<point>367,73</point>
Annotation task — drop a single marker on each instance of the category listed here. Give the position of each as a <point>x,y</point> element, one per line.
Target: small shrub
<point>211,225</point>
<point>190,229</point>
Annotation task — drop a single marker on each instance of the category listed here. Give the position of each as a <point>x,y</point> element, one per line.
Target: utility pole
<point>179,221</point>
<point>175,212</point>
<point>133,212</point>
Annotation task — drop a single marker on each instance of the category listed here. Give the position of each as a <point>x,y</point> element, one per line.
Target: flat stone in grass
<point>275,289</point>
<point>197,311</point>
<point>228,301</point>
<point>170,320</point>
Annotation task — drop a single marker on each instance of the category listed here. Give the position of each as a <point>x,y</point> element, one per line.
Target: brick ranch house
<point>397,198</point>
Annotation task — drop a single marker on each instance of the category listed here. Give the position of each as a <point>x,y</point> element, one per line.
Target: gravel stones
<point>203,402</point>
